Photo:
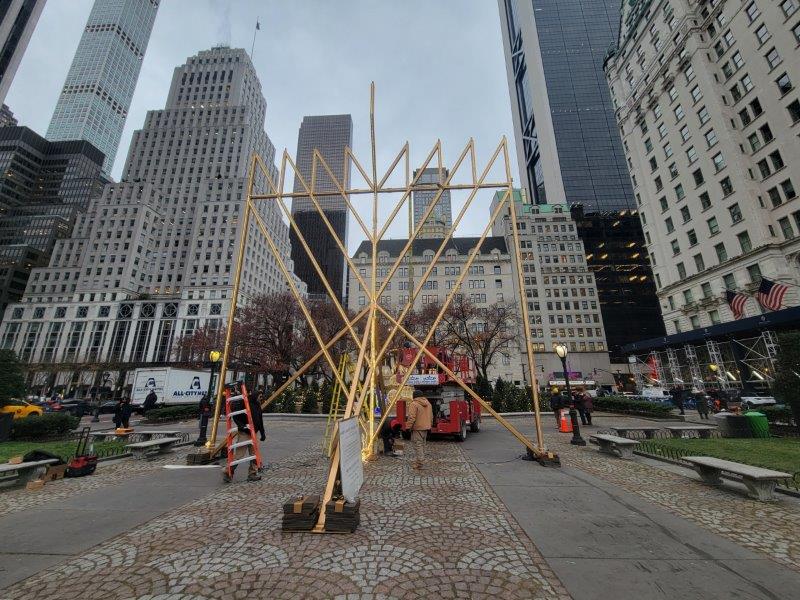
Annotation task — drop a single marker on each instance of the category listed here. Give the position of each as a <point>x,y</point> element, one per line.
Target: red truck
<point>454,412</point>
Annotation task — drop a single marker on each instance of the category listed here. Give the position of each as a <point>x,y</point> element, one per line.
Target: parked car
<point>20,408</point>
<point>749,402</point>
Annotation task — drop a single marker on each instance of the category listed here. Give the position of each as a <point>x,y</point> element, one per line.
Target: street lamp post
<point>205,404</point>
<point>561,351</point>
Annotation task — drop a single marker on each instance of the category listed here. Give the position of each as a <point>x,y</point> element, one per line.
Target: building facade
<point>43,187</point>
<point>569,149</point>
<point>490,280</point>
<point>98,90</point>
<point>559,286</point>
<point>709,113</point>
<point>329,135</point>
<point>440,220</point>
<point>153,259</point>
<point>7,118</point>
<point>18,19</point>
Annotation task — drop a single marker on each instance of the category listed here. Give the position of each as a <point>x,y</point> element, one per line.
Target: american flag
<point>736,300</point>
<point>770,294</point>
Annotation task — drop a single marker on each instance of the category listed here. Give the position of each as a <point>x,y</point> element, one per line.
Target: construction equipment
<point>85,460</point>
<point>236,394</point>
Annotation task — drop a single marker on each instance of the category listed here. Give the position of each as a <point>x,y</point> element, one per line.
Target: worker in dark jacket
<point>258,416</point>
<point>206,412</point>
<point>555,404</point>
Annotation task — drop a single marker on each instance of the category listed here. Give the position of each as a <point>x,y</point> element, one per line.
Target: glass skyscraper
<point>569,148</point>
<point>329,135</point>
<point>97,93</point>
<point>18,19</point>
<point>441,218</point>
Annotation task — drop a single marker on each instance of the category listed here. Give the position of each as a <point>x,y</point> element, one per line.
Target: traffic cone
<point>566,423</point>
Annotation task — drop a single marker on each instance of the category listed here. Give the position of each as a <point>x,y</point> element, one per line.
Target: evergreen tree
<point>12,379</point>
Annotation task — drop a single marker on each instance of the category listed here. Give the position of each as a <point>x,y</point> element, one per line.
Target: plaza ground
<point>479,522</point>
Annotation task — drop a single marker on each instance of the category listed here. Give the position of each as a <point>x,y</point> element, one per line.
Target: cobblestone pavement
<point>108,473</point>
<point>441,534</point>
<point>770,528</point>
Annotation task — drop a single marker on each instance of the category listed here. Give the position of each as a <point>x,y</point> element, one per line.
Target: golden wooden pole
<point>237,276</point>
<point>373,367</point>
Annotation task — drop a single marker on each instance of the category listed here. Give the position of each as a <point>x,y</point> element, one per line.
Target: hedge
<point>44,426</point>
<point>173,413</point>
<point>620,404</point>
<point>777,414</point>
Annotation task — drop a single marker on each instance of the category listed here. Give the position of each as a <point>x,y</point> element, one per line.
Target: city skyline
<point>343,70</point>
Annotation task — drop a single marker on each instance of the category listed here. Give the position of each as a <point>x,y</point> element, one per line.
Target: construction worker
<point>419,421</point>
<point>242,435</point>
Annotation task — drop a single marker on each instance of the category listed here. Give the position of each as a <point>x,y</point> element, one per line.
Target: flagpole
<point>253,47</point>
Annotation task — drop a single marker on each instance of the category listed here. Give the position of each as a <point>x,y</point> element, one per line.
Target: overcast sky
<point>438,66</point>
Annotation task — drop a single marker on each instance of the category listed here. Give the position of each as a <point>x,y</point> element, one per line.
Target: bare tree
<point>483,334</point>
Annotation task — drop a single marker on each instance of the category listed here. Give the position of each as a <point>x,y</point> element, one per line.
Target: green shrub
<point>620,404</point>
<point>285,403</point>
<point>44,426</point>
<point>310,396</point>
<point>326,395</point>
<point>173,413</point>
<point>777,414</point>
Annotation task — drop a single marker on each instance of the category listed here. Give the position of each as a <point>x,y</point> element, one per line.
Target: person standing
<point>118,413</point>
<point>125,412</point>
<point>588,406</point>
<point>149,402</point>
<point>677,398</point>
<point>579,403</point>
<point>419,421</point>
<point>206,411</point>
<point>258,415</point>
<point>555,404</point>
<point>701,401</point>
<point>242,435</point>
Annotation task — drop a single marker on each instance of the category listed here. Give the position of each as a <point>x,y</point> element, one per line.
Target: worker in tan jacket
<point>419,421</point>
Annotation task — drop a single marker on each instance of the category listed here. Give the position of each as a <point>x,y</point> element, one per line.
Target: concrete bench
<point>155,433</point>
<point>25,471</point>
<point>649,432</point>
<point>680,431</point>
<point>151,447</point>
<point>615,445</point>
<point>102,436</point>
<point>760,482</point>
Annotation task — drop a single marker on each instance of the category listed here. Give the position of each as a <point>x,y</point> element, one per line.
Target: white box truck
<point>172,386</point>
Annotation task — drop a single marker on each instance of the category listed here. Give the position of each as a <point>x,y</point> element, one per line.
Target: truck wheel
<point>462,435</point>
<point>475,425</point>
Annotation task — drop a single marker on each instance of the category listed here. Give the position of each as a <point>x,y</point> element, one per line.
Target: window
<point>662,130</point>
<point>653,164</point>
<point>711,138</point>
<point>713,226</point>
<point>784,84</point>
<point>706,287</point>
<point>659,184</point>
<point>696,93</point>
<point>702,114</point>
<point>727,186</point>
<point>673,170</point>
<point>685,214</point>
<point>692,237</point>
<point>695,321</point>
<point>774,196</point>
<point>747,83</point>
<point>676,248</point>
<point>788,189</point>
<point>670,226</point>
<point>762,33</point>
<point>789,7</point>
<point>685,135</point>
<point>648,145</point>
<point>766,133</point>
<point>729,281</point>
<point>691,154</point>
<point>754,273</point>
<point>679,193</point>
<point>794,109</point>
<point>699,263</point>
<point>663,202</point>
<point>688,297</point>
<point>719,162</point>
<point>673,93</point>
<point>736,213</point>
<point>698,177</point>
<point>737,59</point>
<point>713,316</point>
<point>773,58</point>
<point>679,114</point>
<point>744,116</point>
<point>681,270</point>
<point>763,168</point>
<point>705,201</point>
<point>786,228</point>
<point>722,254</point>
<point>744,241</point>
<point>752,11</point>
<point>668,150</point>
<point>657,112</point>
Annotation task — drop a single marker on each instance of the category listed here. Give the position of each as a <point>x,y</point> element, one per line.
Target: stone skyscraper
<point>441,219</point>
<point>569,149</point>
<point>330,135</point>
<point>18,19</point>
<point>97,93</point>
<point>154,258</point>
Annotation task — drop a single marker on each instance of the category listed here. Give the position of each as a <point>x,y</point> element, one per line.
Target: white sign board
<point>350,466</point>
<point>423,379</point>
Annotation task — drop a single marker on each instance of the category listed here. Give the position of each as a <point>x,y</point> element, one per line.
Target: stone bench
<point>679,431</point>
<point>155,433</point>
<point>25,471</point>
<point>760,482</point>
<point>152,447</point>
<point>615,445</point>
<point>649,431</point>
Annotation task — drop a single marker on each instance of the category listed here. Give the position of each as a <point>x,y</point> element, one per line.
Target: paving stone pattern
<point>439,534</point>
<point>108,473</point>
<point>770,528</point>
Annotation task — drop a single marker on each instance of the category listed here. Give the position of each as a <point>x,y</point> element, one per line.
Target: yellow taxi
<point>19,408</point>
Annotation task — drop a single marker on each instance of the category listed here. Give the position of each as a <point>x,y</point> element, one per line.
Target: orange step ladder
<point>230,441</point>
